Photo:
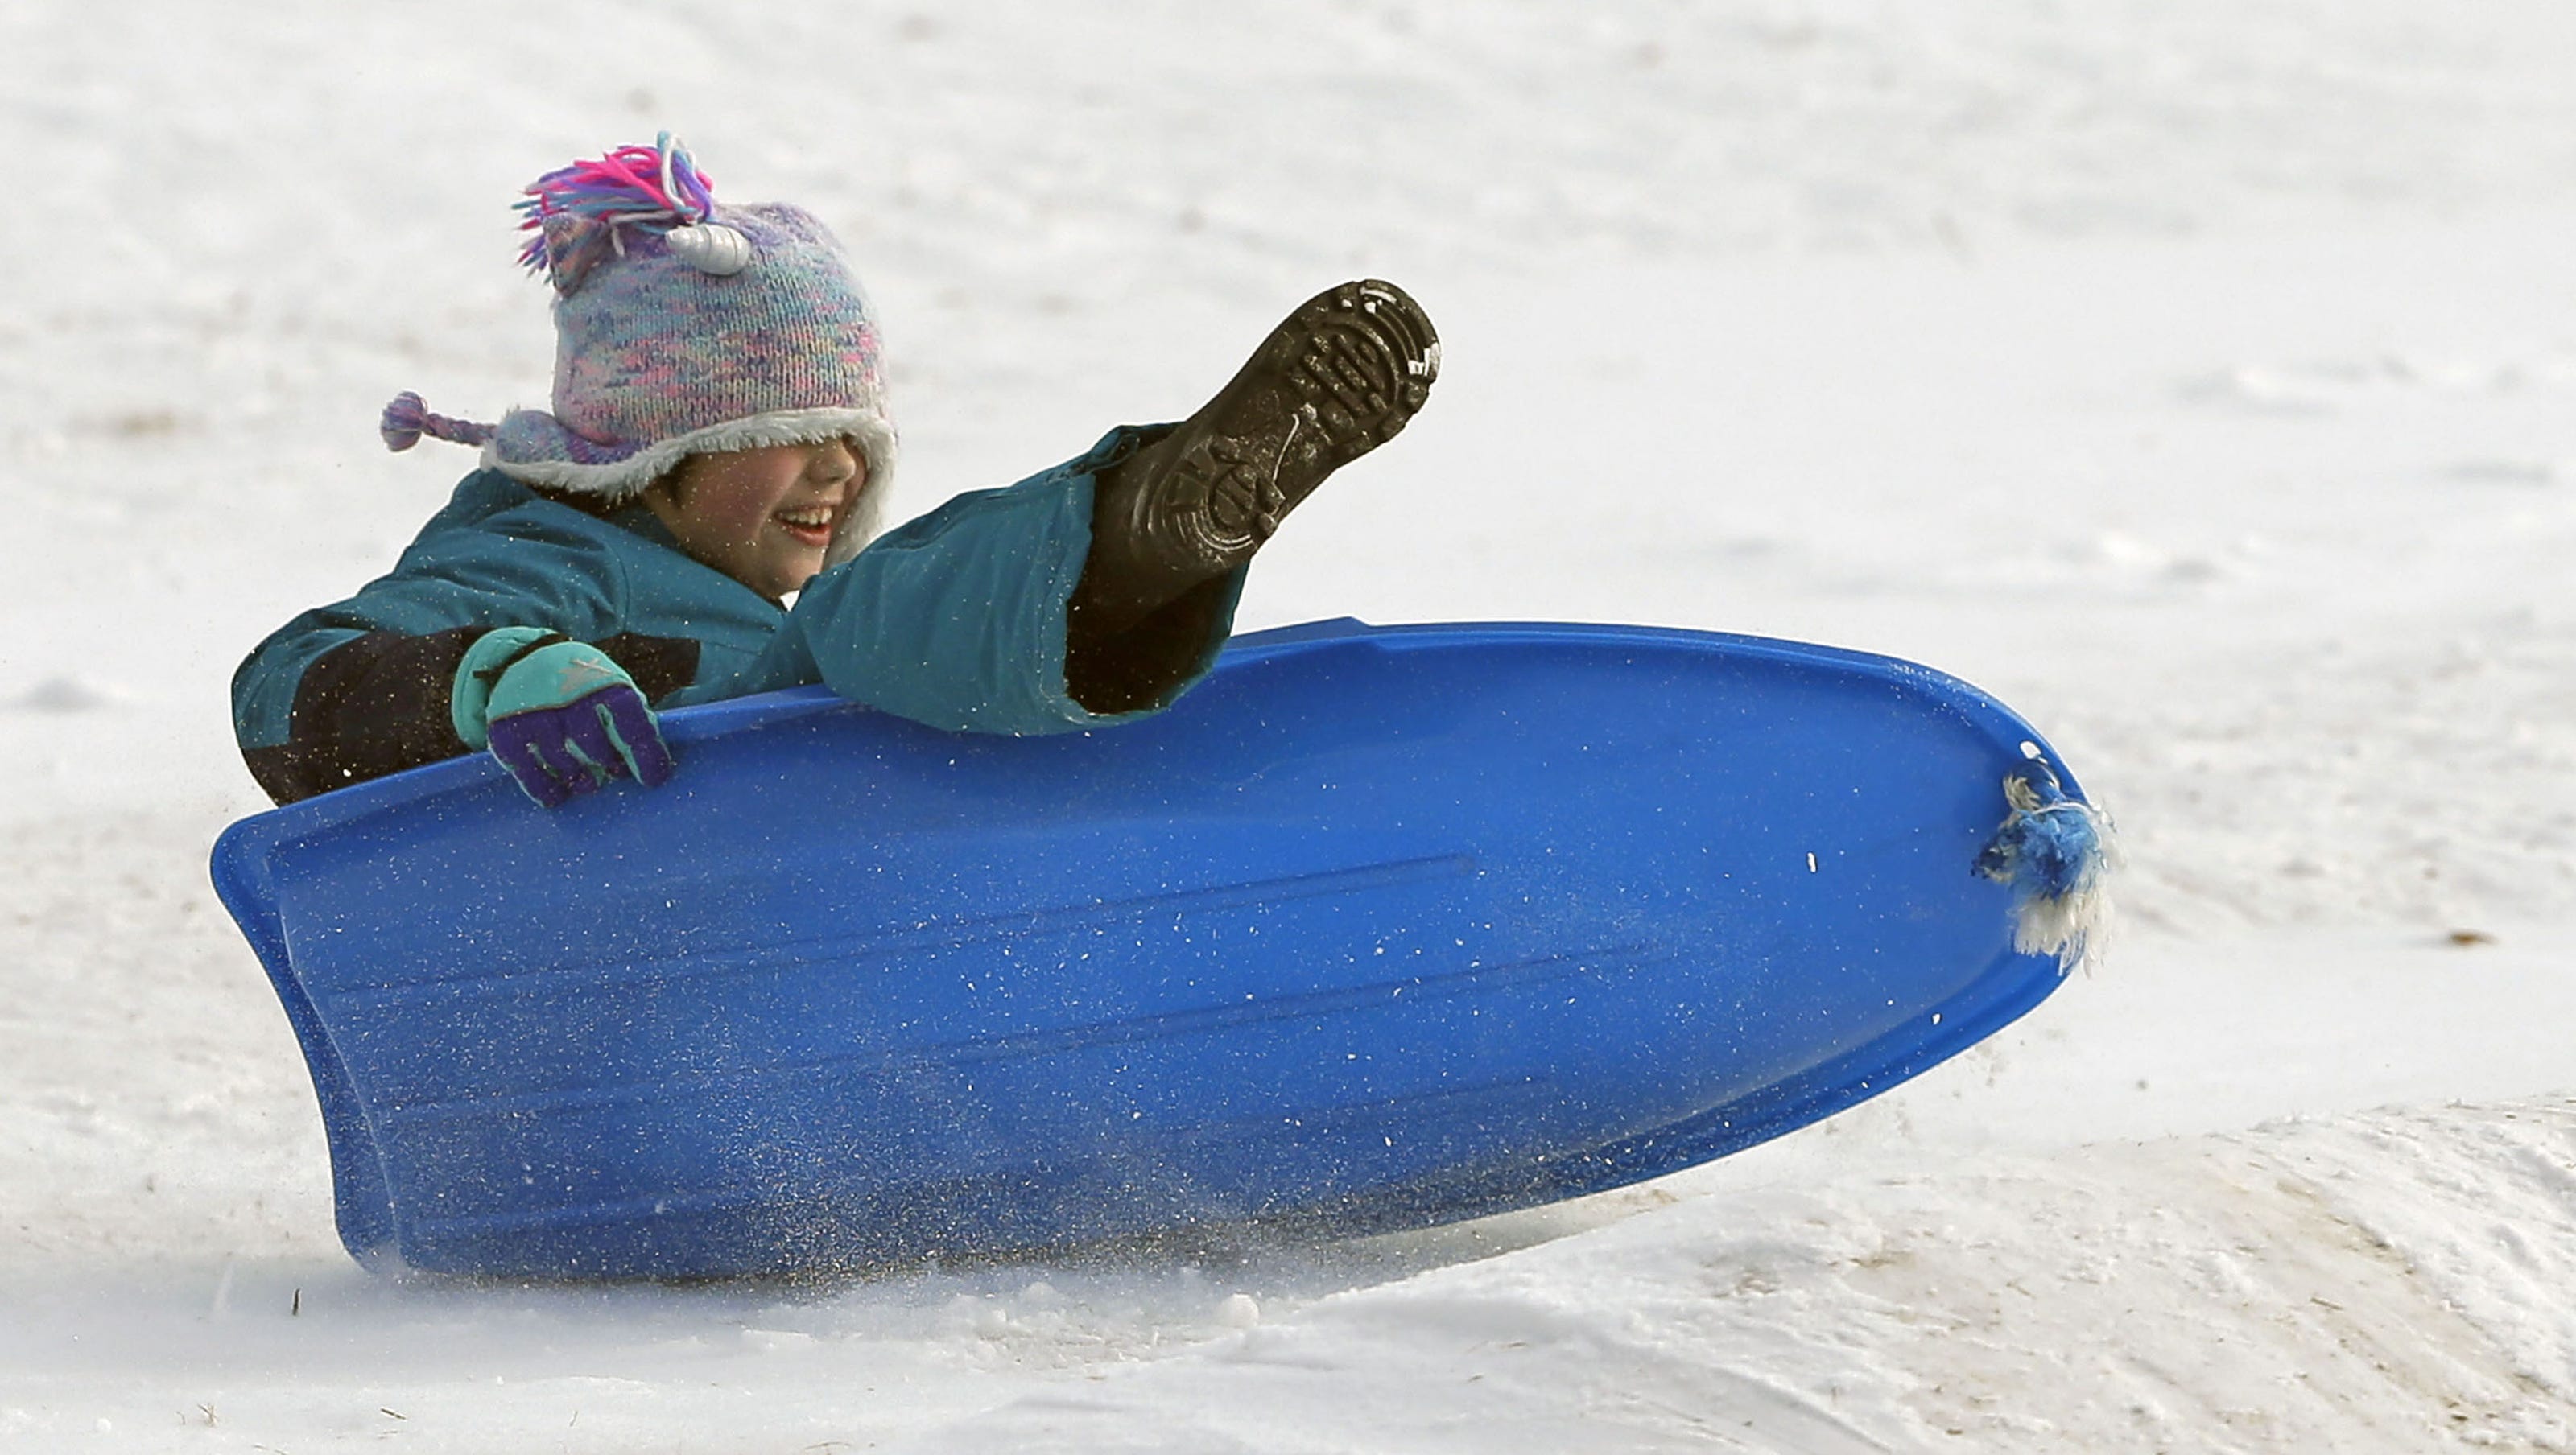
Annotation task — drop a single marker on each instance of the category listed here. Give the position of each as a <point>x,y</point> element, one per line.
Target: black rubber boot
<point>1339,378</point>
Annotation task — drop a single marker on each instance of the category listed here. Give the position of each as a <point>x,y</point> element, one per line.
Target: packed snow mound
<point>2373,1282</point>
<point>2376,1281</point>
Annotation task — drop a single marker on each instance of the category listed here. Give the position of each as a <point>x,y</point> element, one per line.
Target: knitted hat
<point>683,326</point>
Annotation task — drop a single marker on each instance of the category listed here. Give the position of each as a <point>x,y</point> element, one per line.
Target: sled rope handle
<point>2052,852</point>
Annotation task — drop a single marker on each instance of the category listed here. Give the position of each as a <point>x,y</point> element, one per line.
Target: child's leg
<point>959,619</point>
<point>1102,588</point>
<point>1337,379</point>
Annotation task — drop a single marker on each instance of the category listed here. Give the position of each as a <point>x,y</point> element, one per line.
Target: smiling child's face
<point>763,516</point>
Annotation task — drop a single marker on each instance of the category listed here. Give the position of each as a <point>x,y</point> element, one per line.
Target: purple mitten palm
<point>561,715</point>
<point>556,753</point>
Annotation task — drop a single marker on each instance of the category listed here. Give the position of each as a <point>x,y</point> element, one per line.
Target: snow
<point>2198,377</point>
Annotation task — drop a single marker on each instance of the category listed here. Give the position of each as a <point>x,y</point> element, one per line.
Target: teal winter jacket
<point>956,619</point>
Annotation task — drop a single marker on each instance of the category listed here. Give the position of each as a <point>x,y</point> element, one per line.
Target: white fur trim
<point>625,479</point>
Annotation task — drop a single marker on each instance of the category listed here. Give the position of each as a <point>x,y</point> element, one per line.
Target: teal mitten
<point>559,714</point>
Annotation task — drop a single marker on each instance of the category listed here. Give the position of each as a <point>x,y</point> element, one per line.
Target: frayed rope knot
<point>2051,852</point>
<point>406,419</point>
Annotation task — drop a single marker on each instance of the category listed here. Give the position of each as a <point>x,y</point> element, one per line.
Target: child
<point>719,441</point>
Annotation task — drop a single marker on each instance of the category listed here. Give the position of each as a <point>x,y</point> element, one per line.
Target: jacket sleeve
<point>357,704</point>
<point>360,688</point>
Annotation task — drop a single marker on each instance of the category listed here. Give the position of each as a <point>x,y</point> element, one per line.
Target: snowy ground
<point>2198,377</point>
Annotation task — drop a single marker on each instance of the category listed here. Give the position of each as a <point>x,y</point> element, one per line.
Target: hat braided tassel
<point>406,419</point>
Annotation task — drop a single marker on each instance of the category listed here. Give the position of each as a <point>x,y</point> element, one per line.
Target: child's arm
<point>364,687</point>
<point>325,702</point>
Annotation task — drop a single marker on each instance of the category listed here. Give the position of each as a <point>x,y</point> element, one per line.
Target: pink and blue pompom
<point>658,185</point>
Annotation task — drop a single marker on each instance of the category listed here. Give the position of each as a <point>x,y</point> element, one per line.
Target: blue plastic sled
<point>1376,928</point>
